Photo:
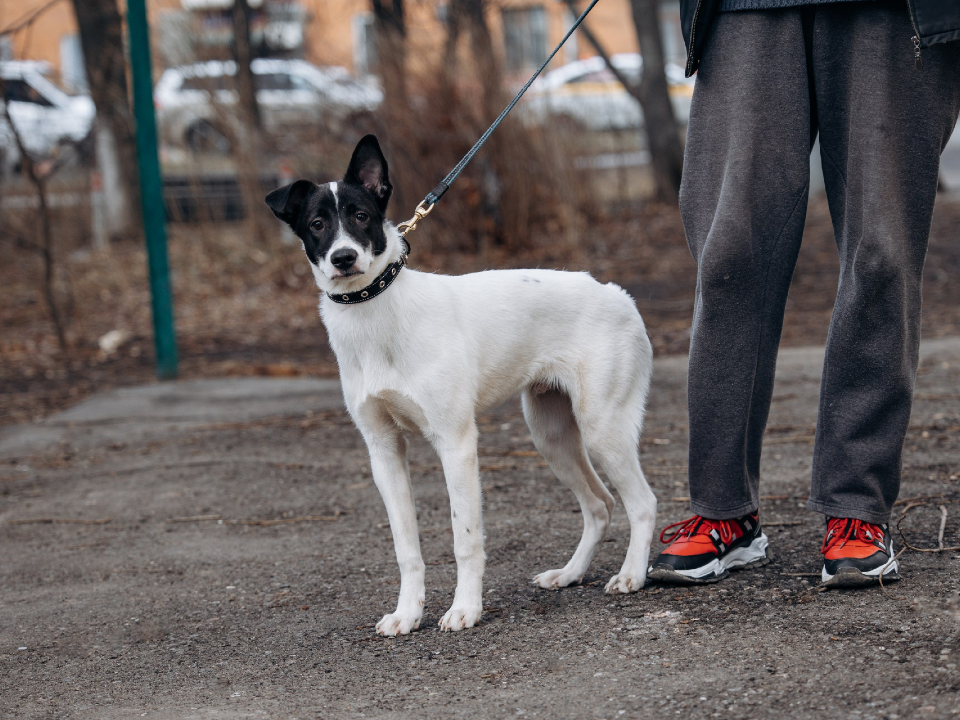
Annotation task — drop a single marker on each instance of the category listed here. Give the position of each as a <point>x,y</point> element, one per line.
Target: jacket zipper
<point>693,37</point>
<point>917,59</point>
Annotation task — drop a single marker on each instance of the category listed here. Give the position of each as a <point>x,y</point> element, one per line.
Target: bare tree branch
<point>27,20</point>
<point>46,231</point>
<point>663,132</point>
<point>634,90</point>
<point>663,137</point>
<point>102,40</point>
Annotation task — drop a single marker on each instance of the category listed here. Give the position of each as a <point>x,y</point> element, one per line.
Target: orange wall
<point>41,40</point>
<point>329,33</point>
<point>329,36</point>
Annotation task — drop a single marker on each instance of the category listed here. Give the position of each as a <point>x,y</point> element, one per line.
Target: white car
<point>196,104</point>
<point>587,92</point>
<point>45,117</point>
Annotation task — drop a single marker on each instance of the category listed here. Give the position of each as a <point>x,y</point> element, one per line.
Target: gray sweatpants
<point>769,81</point>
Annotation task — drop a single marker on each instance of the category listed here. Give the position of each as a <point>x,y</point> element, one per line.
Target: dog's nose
<point>344,258</point>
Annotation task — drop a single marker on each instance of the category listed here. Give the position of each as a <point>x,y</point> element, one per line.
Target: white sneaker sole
<point>852,577</point>
<point>750,556</point>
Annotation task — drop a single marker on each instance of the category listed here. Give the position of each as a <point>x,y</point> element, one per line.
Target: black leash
<point>433,197</point>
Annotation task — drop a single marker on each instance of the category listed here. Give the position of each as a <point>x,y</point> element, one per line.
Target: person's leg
<point>743,201</point>
<point>883,125</point>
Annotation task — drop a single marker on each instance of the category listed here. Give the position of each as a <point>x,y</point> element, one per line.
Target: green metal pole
<point>151,191</point>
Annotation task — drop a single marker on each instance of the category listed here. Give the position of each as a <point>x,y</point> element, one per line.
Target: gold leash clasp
<point>419,214</point>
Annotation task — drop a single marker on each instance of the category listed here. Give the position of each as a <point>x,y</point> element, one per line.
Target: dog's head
<point>343,225</point>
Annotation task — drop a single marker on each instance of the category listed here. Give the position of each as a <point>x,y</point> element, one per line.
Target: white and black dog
<point>425,352</point>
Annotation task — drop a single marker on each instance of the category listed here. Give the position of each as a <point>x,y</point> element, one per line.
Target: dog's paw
<point>625,583</point>
<point>556,579</point>
<point>458,618</point>
<point>394,624</point>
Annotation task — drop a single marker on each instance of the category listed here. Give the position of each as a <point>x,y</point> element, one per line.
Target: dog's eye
<point>317,224</point>
<point>362,217</point>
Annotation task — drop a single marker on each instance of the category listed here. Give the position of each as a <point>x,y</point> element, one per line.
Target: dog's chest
<point>376,363</point>
<point>368,354</point>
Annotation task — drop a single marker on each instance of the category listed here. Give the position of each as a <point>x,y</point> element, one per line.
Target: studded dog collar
<point>373,289</point>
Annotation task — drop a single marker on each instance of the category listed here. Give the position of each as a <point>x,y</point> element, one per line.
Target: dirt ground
<point>216,549</point>
<point>243,309</point>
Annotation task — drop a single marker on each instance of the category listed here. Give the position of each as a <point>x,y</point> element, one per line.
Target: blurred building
<point>328,32</point>
<point>50,35</point>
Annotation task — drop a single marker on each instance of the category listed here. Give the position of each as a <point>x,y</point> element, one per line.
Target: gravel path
<point>216,549</point>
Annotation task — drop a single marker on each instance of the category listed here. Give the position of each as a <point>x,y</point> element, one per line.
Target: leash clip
<point>419,214</point>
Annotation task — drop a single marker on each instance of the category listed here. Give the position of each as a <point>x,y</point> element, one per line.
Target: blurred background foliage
<point>253,94</point>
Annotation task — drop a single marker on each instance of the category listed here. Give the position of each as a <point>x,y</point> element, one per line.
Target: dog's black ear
<point>286,201</point>
<point>368,168</point>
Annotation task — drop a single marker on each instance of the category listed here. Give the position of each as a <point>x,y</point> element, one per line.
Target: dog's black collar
<point>373,289</point>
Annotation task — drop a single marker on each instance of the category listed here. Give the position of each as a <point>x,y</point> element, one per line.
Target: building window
<point>525,37</point>
<point>364,44</point>
<point>73,74</point>
<point>571,50</point>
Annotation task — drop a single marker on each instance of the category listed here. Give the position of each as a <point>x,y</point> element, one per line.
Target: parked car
<point>45,117</point>
<point>196,103</point>
<point>587,93</point>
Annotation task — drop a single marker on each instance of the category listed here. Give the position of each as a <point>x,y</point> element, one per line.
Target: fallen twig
<point>303,421</point>
<point>254,521</point>
<point>58,521</point>
<point>776,523</point>
<point>666,470</point>
<point>287,521</point>
<point>920,498</point>
<point>497,468</point>
<point>686,498</point>
<point>943,521</point>
<point>802,574</point>
<point>193,518</point>
<point>880,577</point>
<point>790,439</point>
<point>943,526</point>
<point>936,396</point>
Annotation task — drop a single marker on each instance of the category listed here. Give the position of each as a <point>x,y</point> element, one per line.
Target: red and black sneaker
<point>857,553</point>
<point>703,551</point>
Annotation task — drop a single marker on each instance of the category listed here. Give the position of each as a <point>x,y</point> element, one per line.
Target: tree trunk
<point>244,54</point>
<point>392,53</point>
<point>449,66</point>
<point>101,37</point>
<point>390,34</point>
<point>663,132</point>
<point>481,45</point>
<point>248,145</point>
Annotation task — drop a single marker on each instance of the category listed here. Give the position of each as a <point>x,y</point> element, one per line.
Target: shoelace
<point>851,530</point>
<point>697,524</point>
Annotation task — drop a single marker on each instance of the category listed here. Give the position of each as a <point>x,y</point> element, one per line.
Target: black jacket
<point>934,21</point>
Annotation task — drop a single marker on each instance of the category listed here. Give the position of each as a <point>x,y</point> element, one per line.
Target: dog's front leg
<point>458,454</point>
<point>388,458</point>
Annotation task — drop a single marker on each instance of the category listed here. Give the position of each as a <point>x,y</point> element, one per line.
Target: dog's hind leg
<point>388,460</point>
<point>457,448</point>
<point>557,436</point>
<point>614,442</point>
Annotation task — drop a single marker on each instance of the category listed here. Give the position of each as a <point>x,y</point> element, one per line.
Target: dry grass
<point>243,309</point>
